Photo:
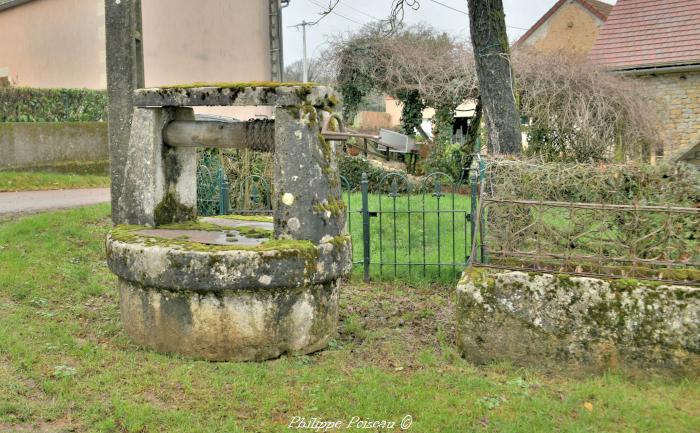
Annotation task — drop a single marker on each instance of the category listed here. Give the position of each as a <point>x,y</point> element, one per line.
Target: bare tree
<point>319,71</point>
<point>416,65</point>
<point>492,54</point>
<point>581,112</point>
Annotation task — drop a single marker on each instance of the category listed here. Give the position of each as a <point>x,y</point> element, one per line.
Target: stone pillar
<point>308,199</point>
<point>159,182</point>
<point>124,74</point>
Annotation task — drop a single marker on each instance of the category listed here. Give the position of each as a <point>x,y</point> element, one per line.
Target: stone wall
<point>47,144</point>
<point>679,105</point>
<point>572,28</point>
<point>566,322</point>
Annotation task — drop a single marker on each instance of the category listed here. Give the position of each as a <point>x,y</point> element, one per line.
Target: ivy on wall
<point>23,104</point>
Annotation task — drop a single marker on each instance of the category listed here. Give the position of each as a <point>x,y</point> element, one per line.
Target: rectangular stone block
<point>577,323</point>
<point>160,182</point>
<point>308,198</point>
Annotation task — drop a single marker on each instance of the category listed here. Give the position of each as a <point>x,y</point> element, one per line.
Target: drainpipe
<point>276,57</point>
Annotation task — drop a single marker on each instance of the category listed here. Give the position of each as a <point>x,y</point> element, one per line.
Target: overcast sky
<point>351,14</point>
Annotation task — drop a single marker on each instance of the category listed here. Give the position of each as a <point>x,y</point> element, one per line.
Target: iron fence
<point>410,229</point>
<point>400,227</point>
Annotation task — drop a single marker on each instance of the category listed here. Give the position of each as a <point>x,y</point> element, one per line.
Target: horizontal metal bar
<point>506,253</point>
<point>596,206</point>
<point>415,211</point>
<point>583,274</point>
<point>342,136</point>
<point>418,264</point>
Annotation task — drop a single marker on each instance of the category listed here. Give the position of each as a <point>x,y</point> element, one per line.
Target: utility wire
<point>360,11</point>
<point>335,13</point>
<point>466,13</point>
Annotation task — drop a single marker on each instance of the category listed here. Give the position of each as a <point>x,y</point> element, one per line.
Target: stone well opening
<point>234,287</point>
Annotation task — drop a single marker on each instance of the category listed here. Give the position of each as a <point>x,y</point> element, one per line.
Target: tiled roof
<point>648,33</point>
<point>598,8</point>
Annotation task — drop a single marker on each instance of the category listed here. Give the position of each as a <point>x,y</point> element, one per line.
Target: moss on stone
<point>308,115</point>
<point>170,210</point>
<point>127,234</point>
<point>253,232</point>
<point>340,241</point>
<point>332,101</point>
<point>303,91</point>
<point>639,272</point>
<point>325,147</point>
<point>477,275</point>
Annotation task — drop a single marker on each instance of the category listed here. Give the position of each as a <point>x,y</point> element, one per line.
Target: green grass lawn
<point>32,181</point>
<point>66,365</point>
<point>436,231</point>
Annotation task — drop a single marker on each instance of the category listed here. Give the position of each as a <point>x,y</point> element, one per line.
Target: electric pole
<point>305,60</point>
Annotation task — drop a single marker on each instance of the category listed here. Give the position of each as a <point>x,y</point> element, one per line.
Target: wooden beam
<point>256,134</point>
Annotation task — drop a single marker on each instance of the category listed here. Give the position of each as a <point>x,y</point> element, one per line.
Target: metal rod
<point>364,182</point>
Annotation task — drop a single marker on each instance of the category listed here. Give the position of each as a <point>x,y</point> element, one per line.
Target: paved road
<point>13,203</point>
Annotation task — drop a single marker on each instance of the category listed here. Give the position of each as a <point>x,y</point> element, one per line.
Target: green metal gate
<point>411,229</point>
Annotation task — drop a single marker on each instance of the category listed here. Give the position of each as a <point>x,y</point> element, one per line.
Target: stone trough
<point>230,288</point>
<point>576,323</point>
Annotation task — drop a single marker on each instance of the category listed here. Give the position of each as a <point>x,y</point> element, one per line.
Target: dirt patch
<point>392,324</point>
<point>63,425</point>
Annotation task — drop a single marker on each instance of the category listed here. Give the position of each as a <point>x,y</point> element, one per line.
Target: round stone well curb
<point>226,302</point>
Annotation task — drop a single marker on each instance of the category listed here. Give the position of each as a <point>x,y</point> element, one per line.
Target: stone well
<point>578,323</point>
<point>236,287</point>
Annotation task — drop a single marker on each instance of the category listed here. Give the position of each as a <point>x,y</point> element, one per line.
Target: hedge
<point>23,104</point>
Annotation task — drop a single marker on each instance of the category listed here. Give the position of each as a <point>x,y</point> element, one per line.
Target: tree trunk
<point>469,145</point>
<point>493,69</point>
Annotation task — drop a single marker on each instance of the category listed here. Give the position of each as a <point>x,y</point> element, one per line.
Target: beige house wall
<point>571,28</point>
<point>395,107</point>
<point>61,43</point>
<point>679,105</point>
<point>41,44</point>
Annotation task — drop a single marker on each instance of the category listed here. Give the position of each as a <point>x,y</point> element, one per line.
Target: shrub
<point>21,104</point>
<point>664,184</point>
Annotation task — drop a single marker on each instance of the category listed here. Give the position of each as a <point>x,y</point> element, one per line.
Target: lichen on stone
<point>332,206</point>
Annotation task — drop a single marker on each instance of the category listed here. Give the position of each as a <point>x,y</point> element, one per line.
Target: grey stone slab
<point>572,322</point>
<point>238,95</point>
<point>229,222</point>
<point>208,237</point>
